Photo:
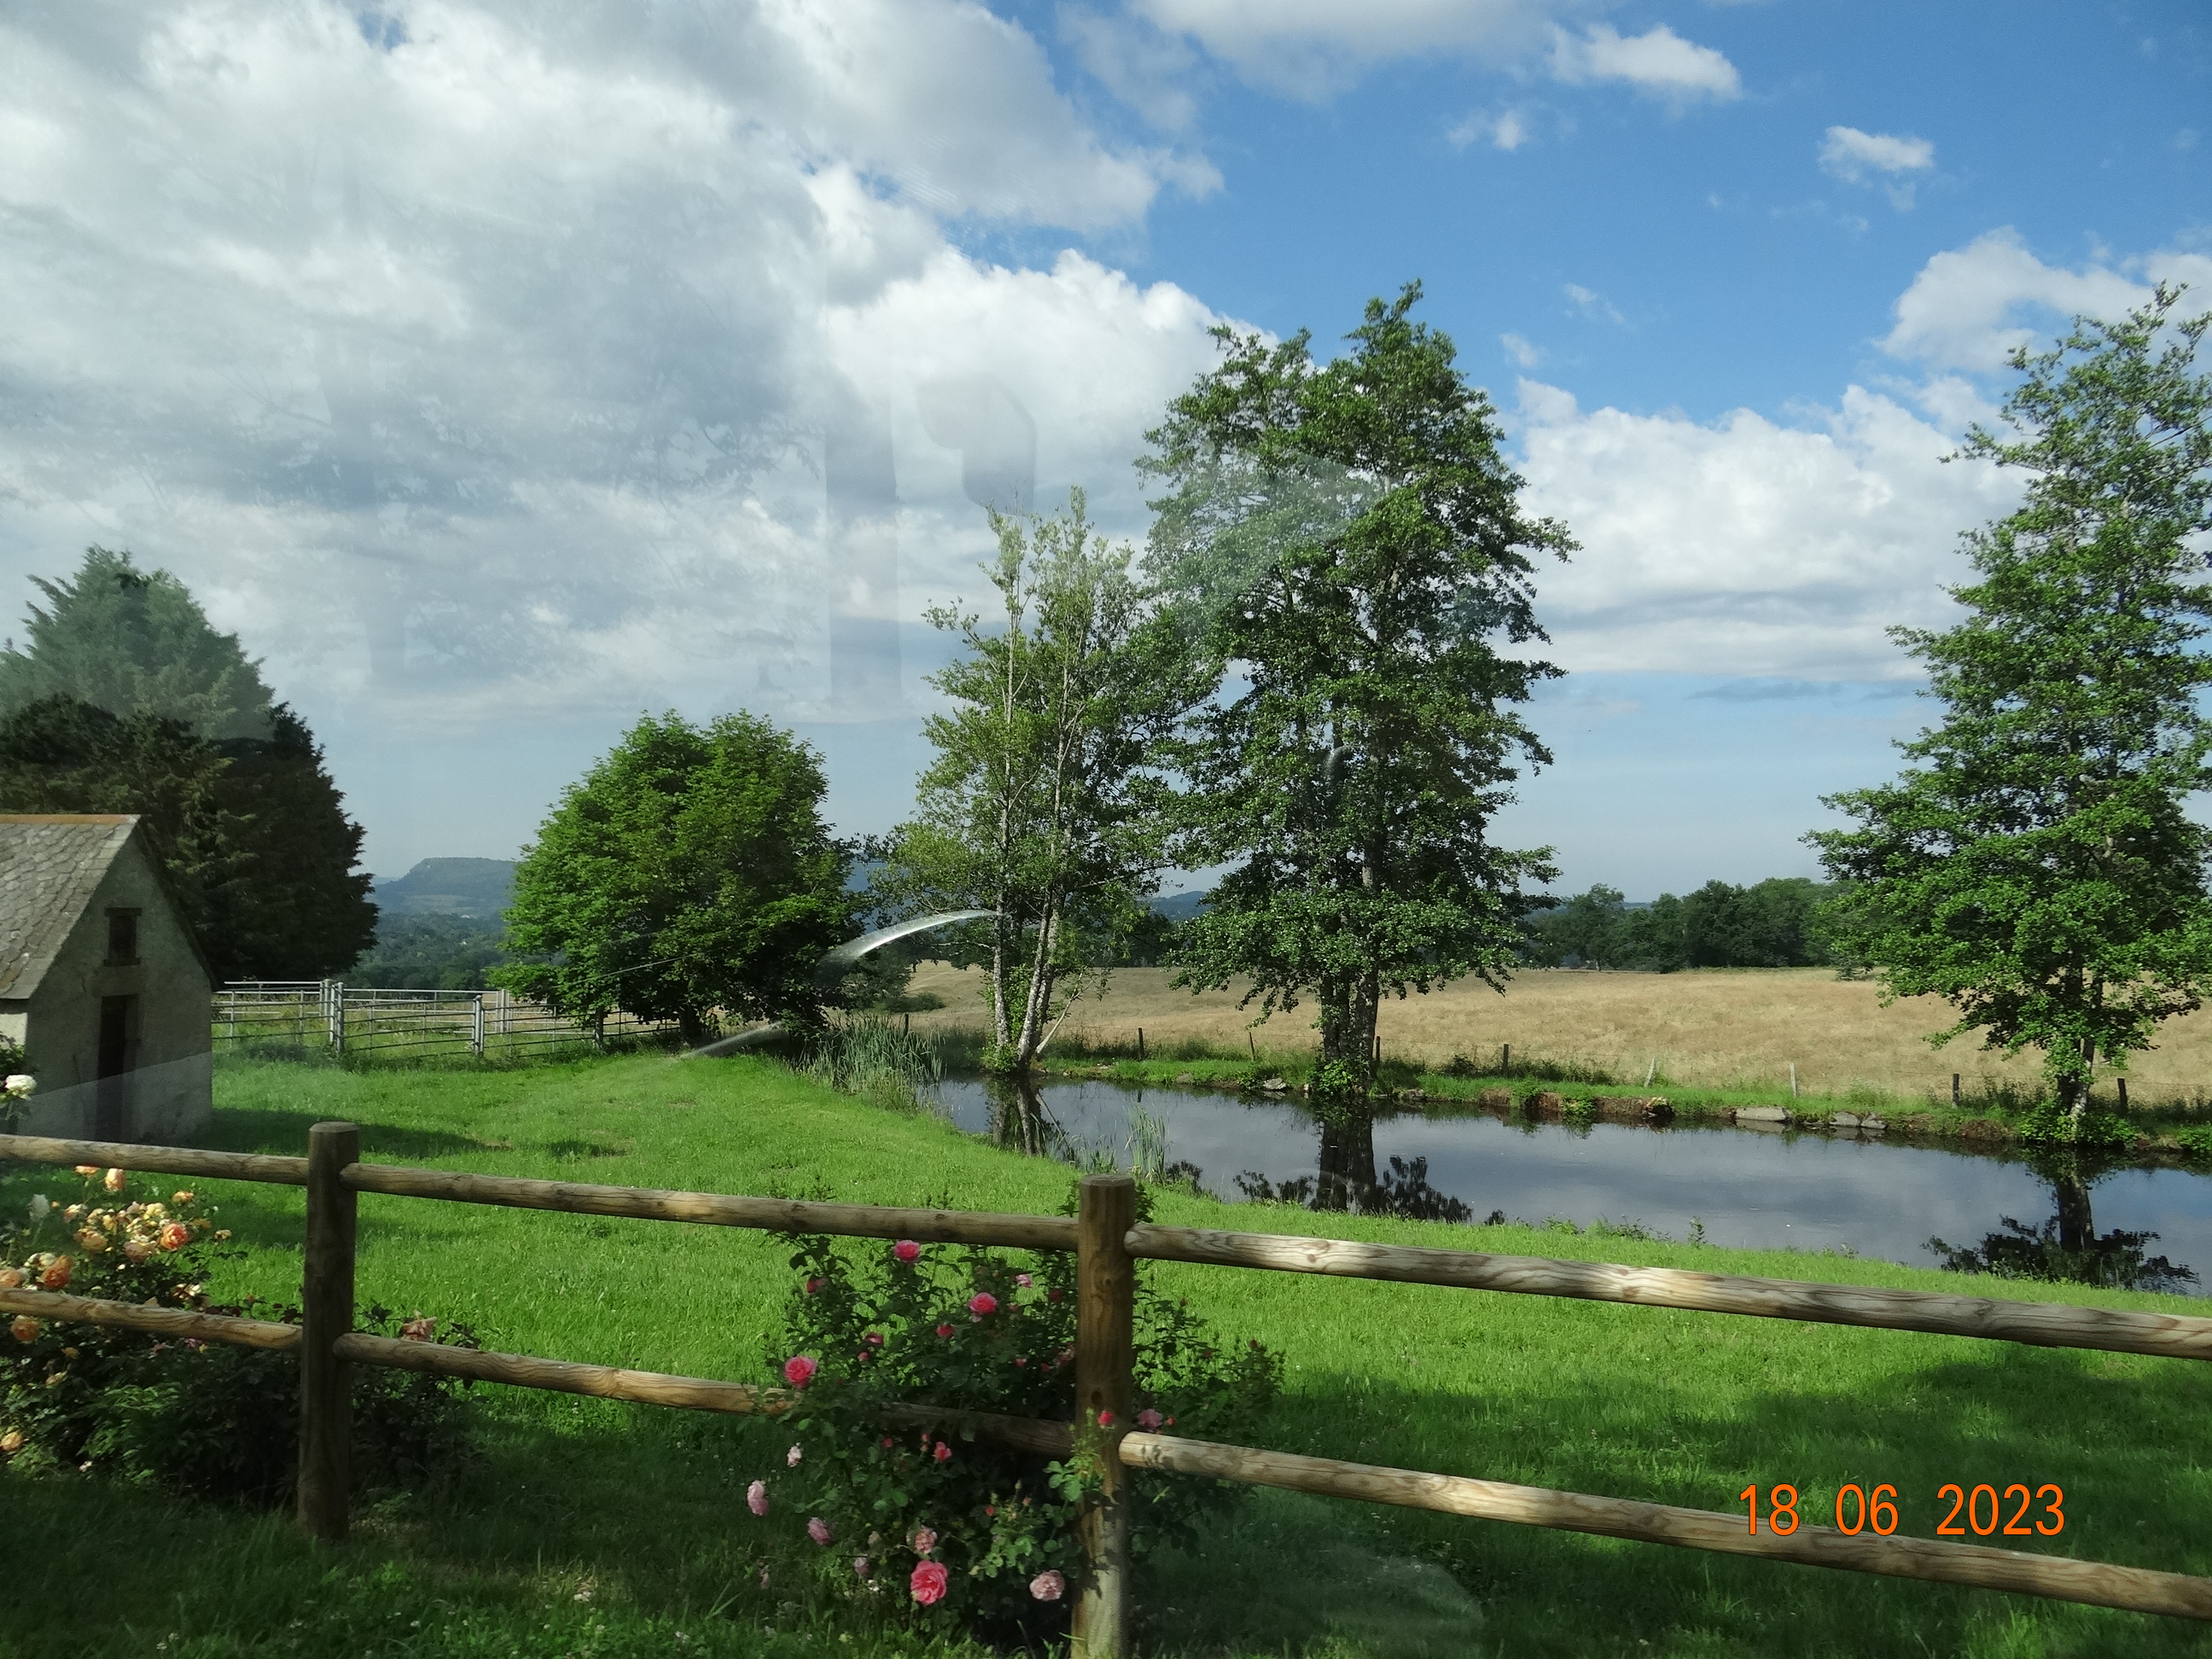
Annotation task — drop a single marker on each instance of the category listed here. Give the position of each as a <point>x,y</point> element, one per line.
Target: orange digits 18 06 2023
<point>2040,1509</point>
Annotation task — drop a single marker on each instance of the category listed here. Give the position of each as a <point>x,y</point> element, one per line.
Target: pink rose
<point>944,1330</point>
<point>927,1583</point>
<point>1020,1360</point>
<point>874,1339</point>
<point>791,1458</point>
<point>982,1302</point>
<point>1047,1586</point>
<point>814,1285</point>
<point>1148,1419</point>
<point>944,1453</point>
<point>1105,1419</point>
<point>1023,1279</point>
<point>924,1540</point>
<point>757,1497</point>
<point>1052,1296</point>
<point>887,1443</point>
<point>906,1249</point>
<point>819,1530</point>
<point>861,1567</point>
<point>799,1370</point>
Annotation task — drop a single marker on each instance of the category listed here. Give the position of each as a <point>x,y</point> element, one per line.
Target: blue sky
<point>499,372</point>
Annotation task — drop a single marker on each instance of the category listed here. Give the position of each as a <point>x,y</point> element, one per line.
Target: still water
<point>1745,1188</point>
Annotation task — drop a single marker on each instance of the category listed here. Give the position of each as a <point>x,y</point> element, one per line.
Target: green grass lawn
<point>593,1527</point>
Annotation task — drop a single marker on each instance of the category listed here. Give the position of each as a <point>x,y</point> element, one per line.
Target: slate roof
<point>50,865</point>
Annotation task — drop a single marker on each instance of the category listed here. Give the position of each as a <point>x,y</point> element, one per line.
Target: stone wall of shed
<point>169,1094</point>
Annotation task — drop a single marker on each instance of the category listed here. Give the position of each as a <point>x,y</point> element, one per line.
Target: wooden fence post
<point>326,1314</point>
<point>1105,1279</point>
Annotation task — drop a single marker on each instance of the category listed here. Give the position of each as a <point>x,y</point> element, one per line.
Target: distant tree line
<point>1770,924</point>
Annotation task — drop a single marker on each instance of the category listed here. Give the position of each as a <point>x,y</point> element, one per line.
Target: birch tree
<point>1036,806</point>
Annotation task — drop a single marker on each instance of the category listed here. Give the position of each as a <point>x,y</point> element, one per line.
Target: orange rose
<point>10,1278</point>
<point>57,1277</point>
<point>25,1329</point>
<point>174,1236</point>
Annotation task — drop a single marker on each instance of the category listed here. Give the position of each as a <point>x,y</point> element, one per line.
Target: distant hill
<point>1178,907</point>
<point>448,887</point>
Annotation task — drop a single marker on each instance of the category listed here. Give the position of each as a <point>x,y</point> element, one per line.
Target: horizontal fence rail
<point>2038,1324</point>
<point>1105,1241</point>
<point>2133,1588</point>
<point>164,1322</point>
<point>782,1215</point>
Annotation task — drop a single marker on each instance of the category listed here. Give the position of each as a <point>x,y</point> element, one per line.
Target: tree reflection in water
<point>2067,1247</point>
<point>1019,1121</point>
<point>1347,1181</point>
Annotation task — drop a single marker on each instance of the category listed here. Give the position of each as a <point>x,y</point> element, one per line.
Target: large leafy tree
<point>689,872</point>
<point>127,700</point>
<point>2035,863</point>
<point>1346,552</point>
<point>1039,805</point>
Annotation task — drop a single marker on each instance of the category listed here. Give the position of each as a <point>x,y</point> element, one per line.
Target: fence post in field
<point>476,1034</point>
<point>1105,1341</point>
<point>326,1314</point>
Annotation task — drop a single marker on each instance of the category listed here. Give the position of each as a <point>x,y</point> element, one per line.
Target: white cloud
<point>1507,131</point>
<point>1965,308</point>
<point>1593,304</point>
<point>1745,547</point>
<point>1311,48</point>
<point>1658,61</point>
<point>1525,355</point>
<point>487,372</point>
<point>1138,64</point>
<point>1855,157</point>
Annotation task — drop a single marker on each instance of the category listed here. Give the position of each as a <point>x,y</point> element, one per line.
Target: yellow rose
<point>181,1198</point>
<point>93,1239</point>
<point>114,1180</point>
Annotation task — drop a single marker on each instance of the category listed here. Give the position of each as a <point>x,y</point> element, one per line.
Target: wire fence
<point>255,1015</point>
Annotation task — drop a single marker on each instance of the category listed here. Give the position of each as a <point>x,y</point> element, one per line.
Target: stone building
<point>102,981</point>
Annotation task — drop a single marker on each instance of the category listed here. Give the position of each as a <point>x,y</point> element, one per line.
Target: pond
<point>2047,1218</point>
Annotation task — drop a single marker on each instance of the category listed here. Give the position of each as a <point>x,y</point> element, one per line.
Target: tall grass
<point>868,1056</point>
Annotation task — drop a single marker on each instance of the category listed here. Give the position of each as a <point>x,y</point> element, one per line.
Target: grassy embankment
<point>1709,1042</point>
<point>593,1528</point>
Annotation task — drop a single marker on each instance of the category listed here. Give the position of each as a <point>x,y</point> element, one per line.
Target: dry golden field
<point>1720,1029</point>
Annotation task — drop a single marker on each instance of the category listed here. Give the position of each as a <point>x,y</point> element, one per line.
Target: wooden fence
<point>1108,1242</point>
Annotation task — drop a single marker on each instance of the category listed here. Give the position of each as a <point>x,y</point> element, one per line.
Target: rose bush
<point>932,1524</point>
<point>207,1418</point>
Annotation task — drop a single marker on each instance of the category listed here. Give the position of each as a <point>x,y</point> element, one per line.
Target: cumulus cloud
<point>1524,354</point>
<point>1745,547</point>
<point>1507,131</point>
<point>490,363</point>
<point>1858,157</point>
<point>1971,307</point>
<point>1311,48</point>
<point>1658,61</point>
